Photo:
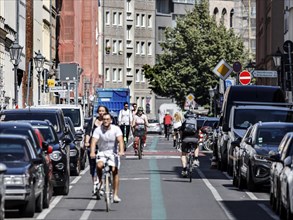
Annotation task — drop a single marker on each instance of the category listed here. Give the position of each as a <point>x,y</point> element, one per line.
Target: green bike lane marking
<point>158,207</point>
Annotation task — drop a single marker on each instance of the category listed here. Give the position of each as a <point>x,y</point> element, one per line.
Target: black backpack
<point>189,127</point>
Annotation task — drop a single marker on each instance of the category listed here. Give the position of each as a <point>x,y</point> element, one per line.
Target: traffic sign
<point>58,89</point>
<point>51,83</point>
<point>190,97</point>
<point>245,77</point>
<point>265,73</point>
<point>223,69</point>
<point>237,67</point>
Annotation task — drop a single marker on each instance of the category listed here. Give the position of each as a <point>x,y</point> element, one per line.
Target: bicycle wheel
<point>168,133</point>
<point>107,192</point>
<point>190,160</point>
<point>139,148</point>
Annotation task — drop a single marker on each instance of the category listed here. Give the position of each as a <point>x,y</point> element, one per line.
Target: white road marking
<point>251,195</point>
<point>45,212</point>
<point>85,215</point>
<point>215,193</point>
<point>268,211</point>
<point>75,180</point>
<point>85,170</point>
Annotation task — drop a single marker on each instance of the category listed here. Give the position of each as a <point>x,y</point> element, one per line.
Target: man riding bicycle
<point>108,136</point>
<point>189,130</point>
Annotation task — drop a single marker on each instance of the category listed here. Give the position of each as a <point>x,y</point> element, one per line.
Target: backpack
<point>189,127</point>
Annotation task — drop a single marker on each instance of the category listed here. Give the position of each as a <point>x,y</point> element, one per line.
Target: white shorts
<point>114,160</point>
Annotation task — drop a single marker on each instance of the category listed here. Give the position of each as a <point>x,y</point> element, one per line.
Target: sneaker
<point>195,163</point>
<point>184,173</point>
<point>135,153</point>
<point>144,145</point>
<point>116,199</point>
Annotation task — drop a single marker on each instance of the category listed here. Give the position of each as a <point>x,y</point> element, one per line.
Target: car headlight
<point>56,155</point>
<point>259,157</point>
<point>73,153</point>
<point>16,179</point>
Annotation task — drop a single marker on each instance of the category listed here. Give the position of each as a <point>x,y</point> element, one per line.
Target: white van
<point>72,111</point>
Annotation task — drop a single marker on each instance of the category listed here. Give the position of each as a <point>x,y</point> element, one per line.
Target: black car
<point>25,128</point>
<point>60,156</point>
<point>253,166</point>
<point>75,148</point>
<point>24,178</point>
<point>2,191</point>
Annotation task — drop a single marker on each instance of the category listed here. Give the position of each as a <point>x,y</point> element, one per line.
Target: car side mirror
<point>288,161</point>
<point>37,161</point>
<point>236,143</point>
<point>248,140</point>
<point>225,127</point>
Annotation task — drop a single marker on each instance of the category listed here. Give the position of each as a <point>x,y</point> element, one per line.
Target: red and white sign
<point>245,77</point>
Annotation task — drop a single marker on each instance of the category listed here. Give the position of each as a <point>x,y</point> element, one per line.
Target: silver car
<point>154,126</point>
<point>2,190</point>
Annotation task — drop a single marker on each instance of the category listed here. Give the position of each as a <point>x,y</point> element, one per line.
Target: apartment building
<point>127,39</point>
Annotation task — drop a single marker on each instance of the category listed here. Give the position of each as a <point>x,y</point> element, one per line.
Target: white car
<point>154,126</point>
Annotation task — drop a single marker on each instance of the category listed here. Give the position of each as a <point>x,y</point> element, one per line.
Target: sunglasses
<point>106,119</point>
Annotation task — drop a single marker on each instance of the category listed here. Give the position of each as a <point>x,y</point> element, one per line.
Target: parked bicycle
<point>191,143</point>
<point>106,188</point>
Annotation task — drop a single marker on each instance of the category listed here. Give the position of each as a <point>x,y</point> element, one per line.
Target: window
<point>149,48</point>
<point>137,75</point>
<point>161,34</point>
<point>119,78</point>
<point>107,43</point>
<point>142,48</point>
<point>142,101</point>
<point>137,20</point>
<point>107,18</point>
<point>150,21</point>
<point>114,18</point>
<point>142,22</point>
<point>120,18</point>
<point>115,46</point>
<point>120,46</point>
<point>137,47</point>
<point>107,74</point>
<point>142,76</point>
<point>128,5</point>
<point>114,78</point>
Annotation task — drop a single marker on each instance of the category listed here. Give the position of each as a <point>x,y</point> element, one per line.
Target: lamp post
<point>15,53</point>
<point>277,58</point>
<point>212,94</point>
<point>39,62</point>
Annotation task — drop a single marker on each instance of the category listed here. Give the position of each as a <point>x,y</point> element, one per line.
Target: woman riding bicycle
<point>139,124</point>
<point>177,123</point>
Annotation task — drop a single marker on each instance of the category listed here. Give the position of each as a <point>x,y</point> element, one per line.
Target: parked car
<point>60,156</point>
<point>25,177</point>
<point>2,191</point>
<point>154,127</point>
<point>42,150</point>
<point>253,165</point>
<point>75,148</point>
<point>281,180</point>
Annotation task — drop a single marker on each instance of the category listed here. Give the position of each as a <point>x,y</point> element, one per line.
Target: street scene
<point>146,109</point>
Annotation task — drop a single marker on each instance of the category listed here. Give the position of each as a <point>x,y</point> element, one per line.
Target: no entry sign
<point>245,78</point>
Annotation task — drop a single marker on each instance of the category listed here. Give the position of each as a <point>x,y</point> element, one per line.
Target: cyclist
<point>167,123</point>
<point>140,121</point>
<point>125,120</point>
<point>108,136</point>
<point>94,123</point>
<point>177,123</point>
<point>189,130</point>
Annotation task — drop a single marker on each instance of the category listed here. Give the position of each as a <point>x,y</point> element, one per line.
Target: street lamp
<point>39,62</point>
<point>15,53</point>
<point>277,58</point>
<point>212,94</point>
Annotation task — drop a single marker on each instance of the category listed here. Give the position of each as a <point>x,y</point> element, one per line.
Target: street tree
<point>189,53</point>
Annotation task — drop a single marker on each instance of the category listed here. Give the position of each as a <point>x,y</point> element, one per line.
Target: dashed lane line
<point>85,215</point>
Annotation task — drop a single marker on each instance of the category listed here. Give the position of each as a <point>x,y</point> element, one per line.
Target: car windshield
<point>47,133</point>
<point>153,121</point>
<point>209,123</point>
<point>271,136</point>
<point>74,114</point>
<point>244,118</point>
<point>16,151</point>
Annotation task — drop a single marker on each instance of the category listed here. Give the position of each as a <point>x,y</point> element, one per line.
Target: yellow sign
<point>51,83</point>
<point>190,97</point>
<point>223,69</point>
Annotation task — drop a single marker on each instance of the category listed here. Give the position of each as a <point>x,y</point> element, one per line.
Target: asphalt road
<point>152,188</point>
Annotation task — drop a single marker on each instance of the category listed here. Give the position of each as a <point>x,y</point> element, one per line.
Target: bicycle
<point>177,139</point>
<point>139,132</point>
<point>191,143</point>
<point>168,132</point>
<point>107,186</point>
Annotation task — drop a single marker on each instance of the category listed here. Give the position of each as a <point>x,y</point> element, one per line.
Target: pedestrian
<point>108,136</point>
<point>94,123</point>
<point>125,120</point>
<point>167,123</point>
<point>134,109</point>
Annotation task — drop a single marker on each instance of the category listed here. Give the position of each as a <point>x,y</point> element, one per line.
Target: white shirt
<point>107,138</point>
<point>125,117</point>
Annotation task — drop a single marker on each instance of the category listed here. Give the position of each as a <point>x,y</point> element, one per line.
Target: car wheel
<point>39,203</point>
<point>28,209</point>
<point>235,176</point>
<point>249,181</point>
<point>83,159</point>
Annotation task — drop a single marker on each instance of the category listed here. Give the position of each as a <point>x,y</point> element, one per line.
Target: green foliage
<point>190,52</point>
